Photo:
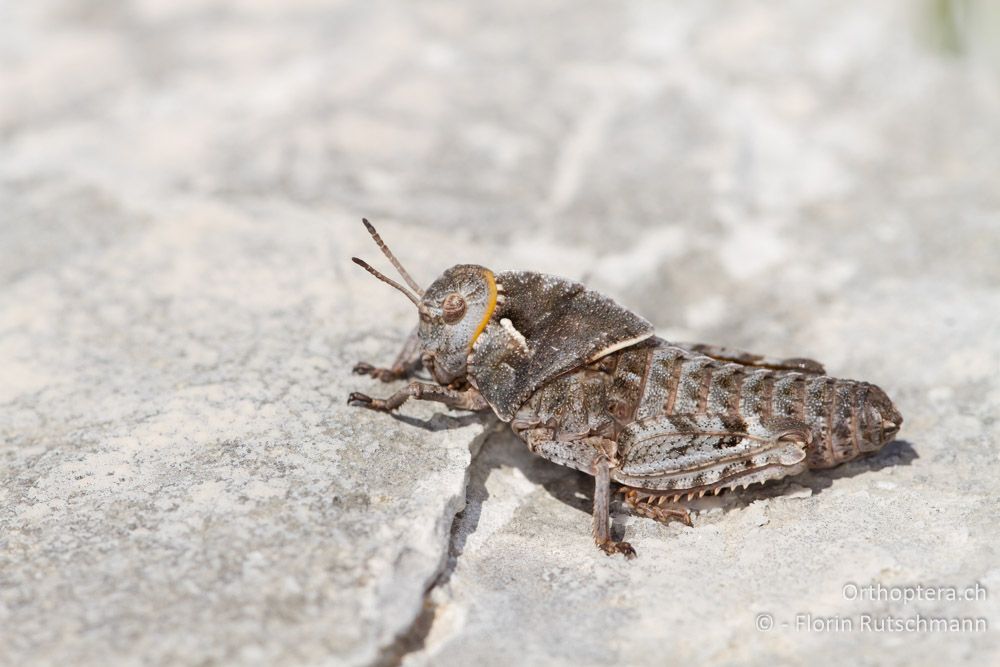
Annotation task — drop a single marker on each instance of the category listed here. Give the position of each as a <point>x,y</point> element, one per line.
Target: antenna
<point>367,267</point>
<point>392,258</point>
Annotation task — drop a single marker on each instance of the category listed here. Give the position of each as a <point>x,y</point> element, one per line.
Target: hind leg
<point>654,506</point>
<point>729,354</point>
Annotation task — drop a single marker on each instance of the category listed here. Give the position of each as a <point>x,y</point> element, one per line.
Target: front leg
<point>468,399</point>
<point>406,364</point>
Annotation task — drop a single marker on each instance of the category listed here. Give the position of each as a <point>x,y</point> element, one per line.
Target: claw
<point>383,374</point>
<point>624,548</point>
<point>363,368</point>
<point>360,400</point>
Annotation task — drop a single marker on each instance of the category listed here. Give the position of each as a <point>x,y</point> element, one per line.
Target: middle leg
<point>594,455</point>
<point>602,517</point>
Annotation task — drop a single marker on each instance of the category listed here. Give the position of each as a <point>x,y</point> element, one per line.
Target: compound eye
<point>453,308</point>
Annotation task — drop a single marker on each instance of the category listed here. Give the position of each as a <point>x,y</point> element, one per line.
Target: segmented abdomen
<point>846,417</point>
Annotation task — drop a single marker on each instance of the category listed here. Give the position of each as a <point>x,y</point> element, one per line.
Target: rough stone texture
<point>180,184</point>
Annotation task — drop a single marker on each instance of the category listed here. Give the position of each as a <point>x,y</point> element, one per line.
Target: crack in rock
<point>412,638</point>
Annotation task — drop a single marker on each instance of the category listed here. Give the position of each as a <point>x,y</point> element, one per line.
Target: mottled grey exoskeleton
<point>585,383</point>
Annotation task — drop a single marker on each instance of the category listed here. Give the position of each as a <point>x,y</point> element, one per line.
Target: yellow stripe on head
<point>491,285</point>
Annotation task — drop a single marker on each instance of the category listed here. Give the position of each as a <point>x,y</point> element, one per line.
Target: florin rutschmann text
<point>884,620</point>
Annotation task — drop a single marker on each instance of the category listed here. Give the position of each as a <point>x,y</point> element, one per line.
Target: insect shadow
<point>500,448</point>
<point>442,421</point>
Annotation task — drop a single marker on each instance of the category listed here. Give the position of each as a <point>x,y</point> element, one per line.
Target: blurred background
<point>683,149</point>
<point>181,183</point>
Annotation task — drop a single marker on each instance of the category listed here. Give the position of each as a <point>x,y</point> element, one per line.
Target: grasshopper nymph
<point>586,384</point>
